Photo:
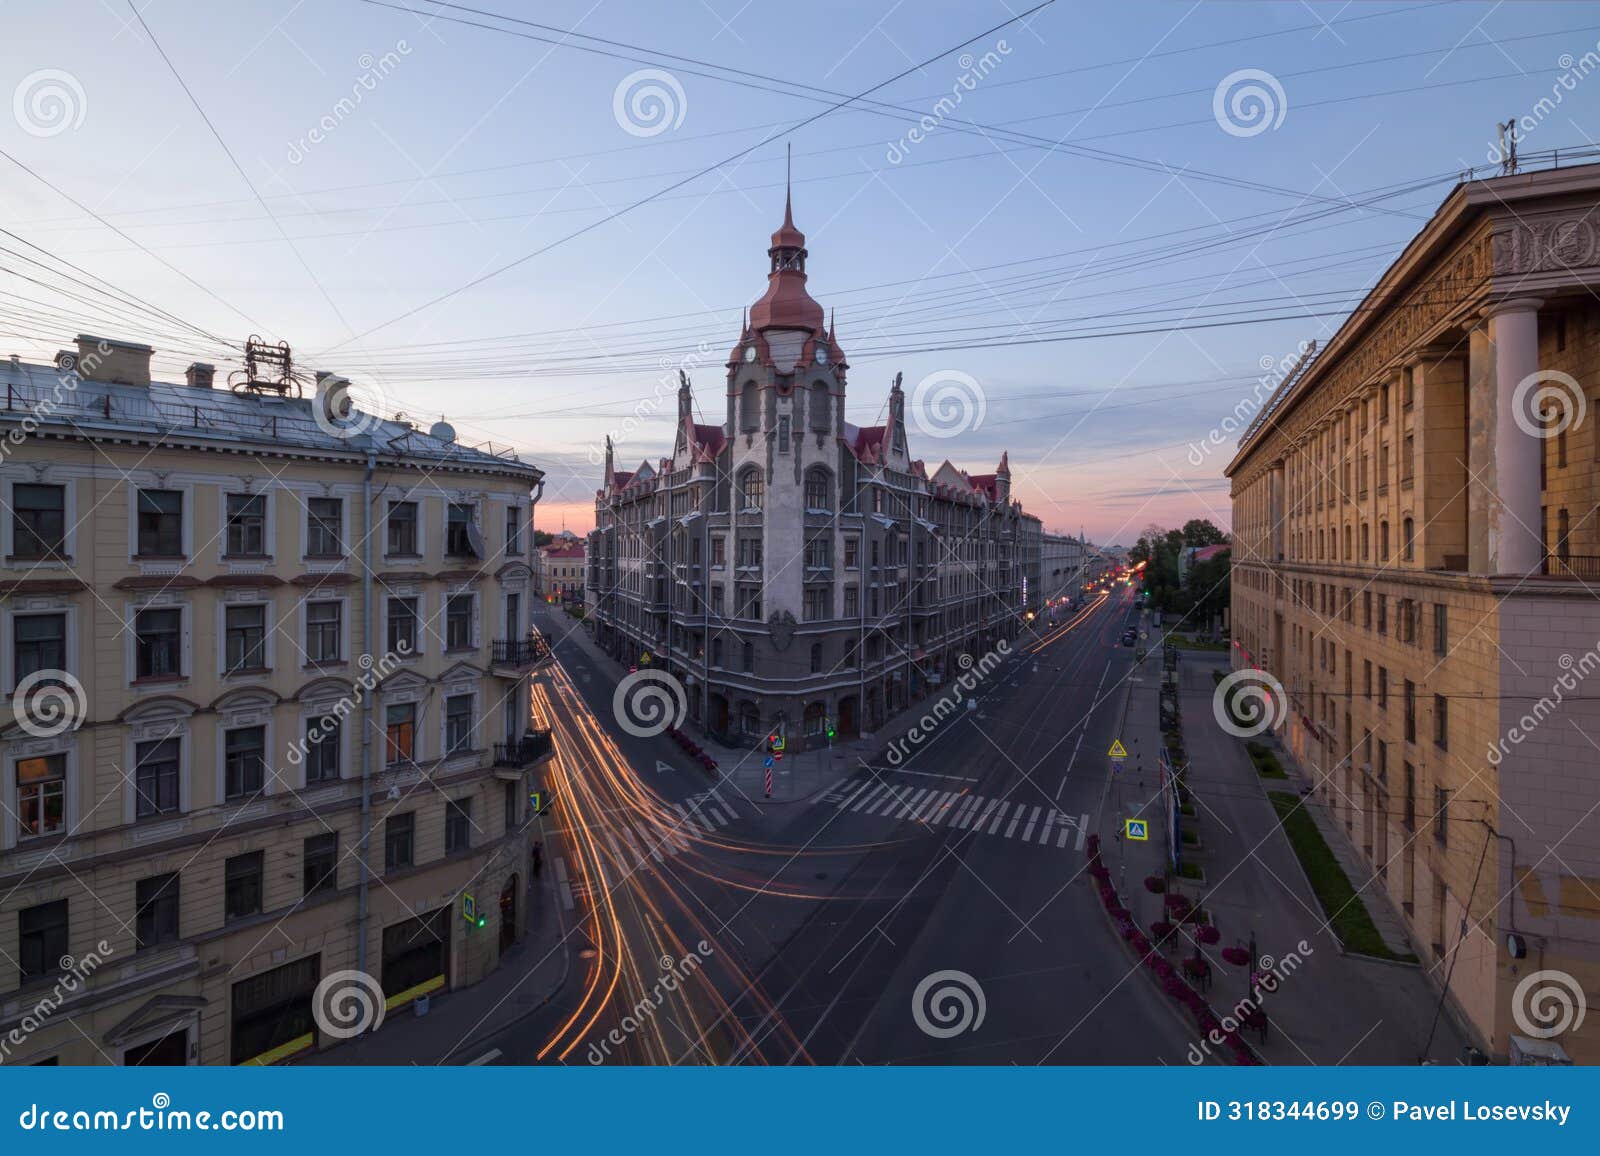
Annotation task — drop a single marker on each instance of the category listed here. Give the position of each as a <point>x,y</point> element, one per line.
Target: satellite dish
<point>442,431</point>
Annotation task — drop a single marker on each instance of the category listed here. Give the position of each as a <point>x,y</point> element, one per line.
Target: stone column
<point>1275,512</point>
<point>1516,537</point>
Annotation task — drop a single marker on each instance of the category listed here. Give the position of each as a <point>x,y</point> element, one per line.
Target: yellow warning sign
<point>1118,751</point>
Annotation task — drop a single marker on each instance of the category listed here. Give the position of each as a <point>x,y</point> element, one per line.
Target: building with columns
<point>1417,560</point>
<point>794,570</point>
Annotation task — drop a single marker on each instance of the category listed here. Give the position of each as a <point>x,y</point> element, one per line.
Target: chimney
<point>107,359</point>
<point>199,375</point>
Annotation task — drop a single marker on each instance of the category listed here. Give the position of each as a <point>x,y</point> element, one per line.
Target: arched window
<point>1348,553</point>
<point>816,658</point>
<point>1408,528</point>
<point>819,491</point>
<point>752,489</point>
<point>1383,541</point>
<point>1366,542</point>
<point>821,407</point>
<point>749,408</point>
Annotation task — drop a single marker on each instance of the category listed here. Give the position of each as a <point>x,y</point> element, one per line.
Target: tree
<point>542,538</point>
<point>1202,532</point>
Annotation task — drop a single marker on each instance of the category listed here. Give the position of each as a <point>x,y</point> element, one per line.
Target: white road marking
<point>999,817</point>
<point>1027,832</point>
<point>914,801</point>
<point>488,1057</point>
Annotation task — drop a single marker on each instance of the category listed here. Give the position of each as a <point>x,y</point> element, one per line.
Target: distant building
<point>563,567</point>
<point>1062,560</point>
<point>293,646</point>
<point>1190,555</point>
<point>793,569</point>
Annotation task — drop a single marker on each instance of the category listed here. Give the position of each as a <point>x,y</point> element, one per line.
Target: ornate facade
<point>794,570</point>
<point>1416,553</point>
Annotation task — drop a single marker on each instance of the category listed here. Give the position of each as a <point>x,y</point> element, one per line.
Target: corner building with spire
<point>793,571</point>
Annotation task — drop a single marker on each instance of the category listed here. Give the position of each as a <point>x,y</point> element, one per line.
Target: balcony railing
<point>520,653</point>
<point>530,748</point>
<point>1584,566</point>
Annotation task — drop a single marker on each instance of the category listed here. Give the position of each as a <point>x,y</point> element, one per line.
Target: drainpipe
<point>366,713</point>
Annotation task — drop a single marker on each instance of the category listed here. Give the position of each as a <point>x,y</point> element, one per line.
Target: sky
<point>1092,236</point>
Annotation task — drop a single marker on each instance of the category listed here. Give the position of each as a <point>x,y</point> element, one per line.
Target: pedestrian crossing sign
<point>1137,830</point>
<point>1118,751</point>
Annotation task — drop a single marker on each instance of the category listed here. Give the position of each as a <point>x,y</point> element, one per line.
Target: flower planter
<point>1155,884</point>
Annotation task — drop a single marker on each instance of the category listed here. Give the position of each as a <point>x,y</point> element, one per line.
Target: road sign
<point>767,762</point>
<point>1118,751</point>
<point>644,659</point>
<point>1137,830</point>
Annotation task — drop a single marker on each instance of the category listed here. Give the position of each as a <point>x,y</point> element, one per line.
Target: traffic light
<point>830,729</point>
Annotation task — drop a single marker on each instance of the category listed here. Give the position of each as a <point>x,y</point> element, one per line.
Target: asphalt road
<point>820,919</point>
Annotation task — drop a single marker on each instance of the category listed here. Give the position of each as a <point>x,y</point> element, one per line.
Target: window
<point>1409,814</point>
<point>750,552</point>
<point>818,496</point>
<point>821,406</point>
<point>246,531</point>
<point>749,410</point>
<point>399,841</point>
<point>1441,816</point>
<point>514,530</point>
<point>457,825</point>
<point>1410,700</point>
<point>749,656</point>
<point>819,553</point>
<point>39,643</point>
<point>402,625</point>
<point>242,885</point>
<point>41,939</point>
<point>719,551</point>
<point>41,795</point>
<point>1383,614</point>
<point>400,733</point>
<point>717,599</point>
<point>752,489</point>
<point>1366,677</point>
<point>852,553</point>
<point>1408,539</point>
<point>816,658</point>
<point>852,601</point>
<point>155,777</point>
<point>457,531</point>
<point>322,749</point>
<point>38,521</point>
<point>324,631</point>
<point>1441,722</point>
<point>457,724</point>
<point>1366,609</point>
<point>244,761</point>
<point>245,638</point>
<point>402,529</point>
<point>160,523</point>
<point>1441,629</point>
<point>512,805</point>
<point>818,604</point>
<point>458,622</point>
<point>319,859</point>
<point>156,910</point>
<point>750,602</point>
<point>1383,688</point>
<point>324,519</point>
<point>158,643</point>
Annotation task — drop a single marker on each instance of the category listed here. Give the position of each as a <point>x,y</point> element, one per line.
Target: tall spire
<point>788,184</point>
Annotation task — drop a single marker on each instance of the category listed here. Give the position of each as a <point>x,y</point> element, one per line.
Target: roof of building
<point>786,304</point>
<point>564,551</point>
<point>189,414</point>
<point>1206,553</point>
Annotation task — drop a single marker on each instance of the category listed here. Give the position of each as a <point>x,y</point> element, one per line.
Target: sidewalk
<point>459,1023</point>
<point>1331,1006</point>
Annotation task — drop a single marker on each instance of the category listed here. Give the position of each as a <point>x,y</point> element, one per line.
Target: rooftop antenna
<point>1508,147</point>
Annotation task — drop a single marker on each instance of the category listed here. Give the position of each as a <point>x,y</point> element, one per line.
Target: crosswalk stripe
<point>1027,832</point>
<point>1016,817</point>
<point>887,797</point>
<point>1083,831</point>
<point>672,836</point>
<point>967,812</point>
<point>868,796</point>
<point>851,797</point>
<point>914,801</point>
<point>1066,833</point>
<point>1049,821</point>
<point>999,818</point>
<point>655,843</point>
<point>718,816</point>
<point>931,805</point>
<point>984,818</point>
